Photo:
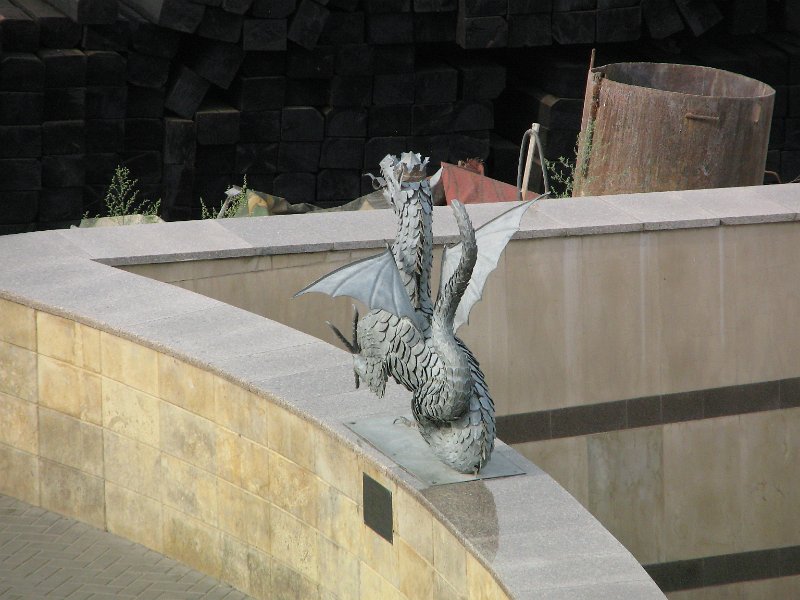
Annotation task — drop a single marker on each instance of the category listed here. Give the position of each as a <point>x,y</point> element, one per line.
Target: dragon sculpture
<point>406,335</point>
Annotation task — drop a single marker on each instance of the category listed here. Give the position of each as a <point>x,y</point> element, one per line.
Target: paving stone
<point>100,566</point>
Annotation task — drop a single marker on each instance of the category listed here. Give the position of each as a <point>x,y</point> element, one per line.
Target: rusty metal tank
<point>651,127</point>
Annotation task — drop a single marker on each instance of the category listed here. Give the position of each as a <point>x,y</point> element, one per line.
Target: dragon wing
<point>492,239</point>
<point>374,281</point>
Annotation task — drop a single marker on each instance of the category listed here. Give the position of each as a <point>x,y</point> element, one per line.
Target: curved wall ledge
<point>216,436</point>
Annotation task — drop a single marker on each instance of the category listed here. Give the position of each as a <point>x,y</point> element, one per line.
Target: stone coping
<point>537,539</point>
<point>197,240</point>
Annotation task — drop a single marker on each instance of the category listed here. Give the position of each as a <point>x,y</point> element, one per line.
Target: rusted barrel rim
<point>685,80</point>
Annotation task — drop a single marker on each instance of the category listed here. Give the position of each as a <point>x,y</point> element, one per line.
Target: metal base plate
<point>405,446</point>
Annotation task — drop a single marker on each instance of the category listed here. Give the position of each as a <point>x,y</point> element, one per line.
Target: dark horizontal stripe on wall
<point>648,411</point>
<point>725,569</point>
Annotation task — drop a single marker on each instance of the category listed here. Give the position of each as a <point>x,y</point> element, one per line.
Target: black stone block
<point>296,187</point>
<point>63,137</point>
<point>392,90</point>
<point>263,64</point>
<point>311,64</point>
<point>273,9</point>
<point>20,32</point>
<point>258,93</point>
<point>67,170</point>
<point>147,71</point>
<point>144,134</point>
<point>147,37</point>
<point>395,28</point>
<point>261,182</point>
<point>18,207</point>
<point>432,118</point>
<point>21,72</point>
<point>464,146</point>
<point>186,92</point>
<point>388,6</point>
<point>60,204</point>
<point>777,134</point>
<point>256,158</point>
<point>105,135</point>
<point>64,104</point>
<point>20,174</point>
<point>662,18</point>
<point>345,122</point>
<point>23,141</point>
<point>432,28</point>
<point>217,124</point>
<point>88,12</point>
<point>701,15</point>
<point>378,147</point>
<point>56,30</point>
<point>177,183</point>
<point>472,116</point>
<point>63,68</point>
<point>114,37</point>
<point>354,60</point>
<point>479,79</point>
<point>342,153</point>
<point>300,157</point>
<point>100,167</point>
<point>348,5</point>
<point>211,189</point>
<point>215,159</point>
<point>307,24</point>
<point>21,108</point>
<point>343,28</point>
<point>437,147</point>
<point>527,7</point>
<point>180,15</point>
<point>302,124</point>
<point>394,59</point>
<point>504,157</point>
<point>530,30</point>
<point>219,24</point>
<point>238,7</point>
<point>307,92</point>
<point>482,32</point>
<point>389,120</point>
<point>218,62</point>
<point>336,184</point>
<point>435,84</point>
<point>261,126</point>
<point>576,27</point>
<point>573,5</point>
<point>104,102</point>
<point>482,8</point>
<point>264,34</point>
<point>619,24</point>
<point>144,166</point>
<point>435,6</point>
<point>179,141</point>
<point>144,102</point>
<point>105,68</point>
<point>351,91</point>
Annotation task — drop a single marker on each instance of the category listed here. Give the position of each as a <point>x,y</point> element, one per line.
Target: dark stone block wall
<point>305,96</point>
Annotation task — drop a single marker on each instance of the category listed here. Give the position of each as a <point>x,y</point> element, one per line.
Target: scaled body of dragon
<point>412,339</point>
<point>450,402</point>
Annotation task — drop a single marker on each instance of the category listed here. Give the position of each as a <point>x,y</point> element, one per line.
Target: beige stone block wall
<point>189,464</point>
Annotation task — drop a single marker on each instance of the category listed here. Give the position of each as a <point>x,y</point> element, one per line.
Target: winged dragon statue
<point>409,337</point>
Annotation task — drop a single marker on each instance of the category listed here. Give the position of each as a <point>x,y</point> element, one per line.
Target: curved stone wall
<point>641,349</point>
<point>216,437</point>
